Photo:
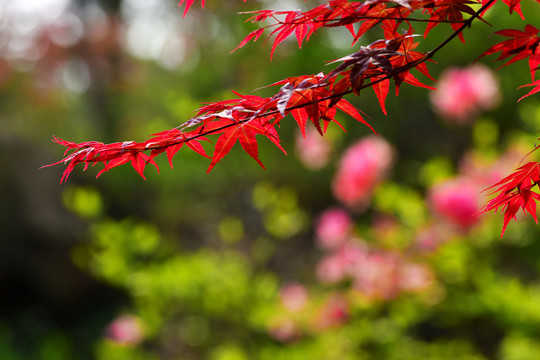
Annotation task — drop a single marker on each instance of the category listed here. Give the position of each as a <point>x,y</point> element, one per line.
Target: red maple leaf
<point>244,133</point>
<point>521,45</point>
<point>443,11</point>
<point>515,192</point>
<point>188,5</point>
<point>512,5</point>
<point>333,14</point>
<point>536,89</point>
<point>315,98</point>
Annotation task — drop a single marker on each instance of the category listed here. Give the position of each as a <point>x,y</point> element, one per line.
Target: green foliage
<point>282,217</point>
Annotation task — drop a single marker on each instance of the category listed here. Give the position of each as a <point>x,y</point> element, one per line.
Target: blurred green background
<point>232,265</point>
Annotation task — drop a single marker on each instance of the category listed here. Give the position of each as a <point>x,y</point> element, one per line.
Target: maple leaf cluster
<point>313,98</point>
<point>365,14</point>
<point>316,98</point>
<point>520,46</point>
<point>516,192</point>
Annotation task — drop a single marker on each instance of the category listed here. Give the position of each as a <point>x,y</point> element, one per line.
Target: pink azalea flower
<point>125,330</point>
<point>361,168</point>
<point>377,277</point>
<point>486,173</point>
<point>332,269</point>
<point>457,201</point>
<point>334,312</point>
<point>464,92</point>
<point>338,266</point>
<point>414,277</point>
<point>384,275</point>
<point>333,228</point>
<point>294,296</point>
<point>429,238</point>
<point>284,330</point>
<point>313,150</point>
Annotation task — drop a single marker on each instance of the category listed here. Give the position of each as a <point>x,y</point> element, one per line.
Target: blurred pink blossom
<point>384,225</point>
<point>428,239</point>
<point>284,330</point>
<point>384,275</point>
<point>414,277</point>
<point>332,269</point>
<point>337,266</point>
<point>334,312</point>
<point>333,228</point>
<point>293,296</point>
<point>125,330</point>
<point>313,150</point>
<point>377,277</point>
<point>486,173</point>
<point>377,274</point>
<point>361,168</point>
<point>457,201</point>
<point>464,92</point>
